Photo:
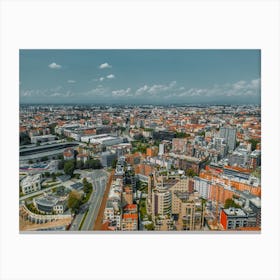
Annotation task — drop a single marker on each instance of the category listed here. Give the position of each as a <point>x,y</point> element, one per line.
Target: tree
<point>69,167</point>
<point>254,143</point>
<point>53,177</point>
<point>150,226</point>
<point>230,203</point>
<point>61,164</point>
<point>24,139</point>
<point>202,133</point>
<point>52,128</point>
<point>114,164</point>
<point>190,172</point>
<point>74,201</point>
<point>87,186</point>
<point>80,164</point>
<point>181,135</point>
<point>94,164</point>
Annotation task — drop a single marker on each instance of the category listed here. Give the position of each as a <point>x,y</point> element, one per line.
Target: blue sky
<point>140,76</point>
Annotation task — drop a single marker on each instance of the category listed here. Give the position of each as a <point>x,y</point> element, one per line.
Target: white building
<point>103,139</point>
<point>42,138</point>
<point>31,184</point>
<point>203,187</point>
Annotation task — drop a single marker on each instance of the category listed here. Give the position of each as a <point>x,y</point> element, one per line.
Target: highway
<point>98,178</point>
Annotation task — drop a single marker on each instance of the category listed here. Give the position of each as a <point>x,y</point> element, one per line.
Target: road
<point>98,178</point>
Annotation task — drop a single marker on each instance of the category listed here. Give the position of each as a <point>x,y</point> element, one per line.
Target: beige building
<point>190,211</point>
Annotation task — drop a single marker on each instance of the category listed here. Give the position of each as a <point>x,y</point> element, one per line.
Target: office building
<point>31,184</point>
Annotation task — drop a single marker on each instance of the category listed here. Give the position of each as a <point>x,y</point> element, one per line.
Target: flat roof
<point>235,212</point>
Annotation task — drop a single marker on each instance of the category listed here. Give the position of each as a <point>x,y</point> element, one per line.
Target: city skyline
<point>140,76</point>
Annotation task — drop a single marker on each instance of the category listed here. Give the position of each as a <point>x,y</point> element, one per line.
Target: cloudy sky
<point>140,76</point>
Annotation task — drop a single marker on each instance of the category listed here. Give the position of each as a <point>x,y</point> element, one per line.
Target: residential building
<point>229,134</point>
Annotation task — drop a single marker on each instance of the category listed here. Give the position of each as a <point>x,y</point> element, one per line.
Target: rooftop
<point>235,212</point>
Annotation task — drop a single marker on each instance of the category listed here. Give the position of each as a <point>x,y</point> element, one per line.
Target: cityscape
<point>140,141</point>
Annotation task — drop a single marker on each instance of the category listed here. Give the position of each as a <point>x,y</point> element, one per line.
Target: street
<point>98,178</point>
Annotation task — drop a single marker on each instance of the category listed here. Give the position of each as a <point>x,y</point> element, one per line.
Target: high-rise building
<point>161,201</point>
<point>161,149</point>
<point>229,134</point>
<point>191,211</point>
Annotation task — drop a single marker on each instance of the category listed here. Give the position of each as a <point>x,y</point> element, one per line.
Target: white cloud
<point>122,92</point>
<point>54,65</point>
<point>71,81</point>
<point>105,65</point>
<point>111,76</point>
<point>98,91</point>
<point>101,79</point>
<point>156,89</point>
<point>141,90</point>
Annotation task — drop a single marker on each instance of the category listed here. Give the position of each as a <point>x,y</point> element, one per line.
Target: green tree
<point>74,201</point>
<point>230,203</point>
<point>114,164</point>
<point>202,133</point>
<point>254,143</point>
<point>53,177</point>
<point>61,164</point>
<point>190,172</point>
<point>150,226</point>
<point>52,128</point>
<point>181,135</point>
<point>80,164</point>
<point>69,167</point>
<point>94,164</point>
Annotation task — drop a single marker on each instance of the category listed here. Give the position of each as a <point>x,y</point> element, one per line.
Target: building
<point>42,138</point>
<point>235,218</point>
<point>229,134</point>
<point>31,184</point>
<point>127,195</point>
<point>108,158</point>
<point>237,172</point>
<point>179,145</point>
<point>103,139</point>
<point>255,205</point>
<point>82,157</point>
<point>50,151</point>
<point>161,201</point>
<point>255,159</point>
<point>49,204</point>
<point>152,151</point>
<point>161,150</point>
<point>203,187</point>
<point>68,154</point>
<point>190,210</point>
<point>129,222</point>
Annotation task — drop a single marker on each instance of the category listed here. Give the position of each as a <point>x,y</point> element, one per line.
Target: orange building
<point>213,176</point>
<point>144,169</point>
<point>219,193</point>
<point>130,222</point>
<point>152,151</point>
